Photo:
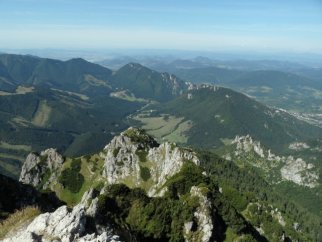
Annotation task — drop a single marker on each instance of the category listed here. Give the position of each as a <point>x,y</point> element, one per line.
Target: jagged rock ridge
<point>287,168</point>
<point>41,169</point>
<point>136,159</point>
<point>124,159</point>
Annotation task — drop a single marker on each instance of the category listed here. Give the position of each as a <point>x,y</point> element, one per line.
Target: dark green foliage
<point>71,178</point>
<point>80,128</point>
<point>142,154</point>
<point>140,137</point>
<point>43,158</point>
<point>162,218</point>
<point>189,175</point>
<point>44,178</point>
<point>247,183</point>
<point>238,201</point>
<point>99,186</point>
<point>305,196</point>
<point>116,151</point>
<point>147,218</point>
<point>76,164</point>
<point>145,173</point>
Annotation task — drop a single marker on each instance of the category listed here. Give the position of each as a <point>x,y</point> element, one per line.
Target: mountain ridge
<point>195,206</point>
<point>218,113</point>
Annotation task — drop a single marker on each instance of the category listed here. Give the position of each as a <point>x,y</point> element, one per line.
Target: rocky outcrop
<point>203,216</point>
<point>288,168</point>
<point>137,160</point>
<point>246,144</point>
<point>298,146</point>
<point>77,224</point>
<point>40,170</point>
<point>300,172</point>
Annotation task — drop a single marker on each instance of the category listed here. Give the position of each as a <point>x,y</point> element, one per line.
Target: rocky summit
<point>137,160</point>
<point>132,158</point>
<point>38,166</point>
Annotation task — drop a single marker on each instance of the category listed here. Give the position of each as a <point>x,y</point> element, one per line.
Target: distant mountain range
<point>282,84</point>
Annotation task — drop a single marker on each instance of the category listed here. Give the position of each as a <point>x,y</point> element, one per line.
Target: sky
<point>249,25</point>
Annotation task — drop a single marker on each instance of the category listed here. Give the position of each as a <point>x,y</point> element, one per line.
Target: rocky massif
<point>136,189</point>
<point>137,160</point>
<point>133,158</point>
<point>244,149</point>
<point>38,167</point>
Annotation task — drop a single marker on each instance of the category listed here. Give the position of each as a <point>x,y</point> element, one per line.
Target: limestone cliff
<point>41,169</point>
<point>65,225</point>
<point>276,167</point>
<point>137,160</point>
<point>203,217</point>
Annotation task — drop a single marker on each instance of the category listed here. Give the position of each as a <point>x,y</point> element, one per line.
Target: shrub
<point>116,151</point>
<point>145,173</point>
<point>189,175</point>
<point>71,178</point>
<point>43,158</point>
<point>142,154</point>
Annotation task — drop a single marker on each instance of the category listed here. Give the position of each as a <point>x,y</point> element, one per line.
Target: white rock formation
<point>246,144</point>
<point>123,164</point>
<point>35,166</point>
<point>298,146</point>
<point>63,225</point>
<point>203,217</point>
<point>299,172</point>
<point>292,169</point>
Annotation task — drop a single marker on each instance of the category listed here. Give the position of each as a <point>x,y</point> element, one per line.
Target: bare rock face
<point>168,160</point>
<point>203,216</point>
<point>61,224</point>
<point>136,159</point>
<point>66,226</point>
<point>36,167</point>
<point>294,169</point>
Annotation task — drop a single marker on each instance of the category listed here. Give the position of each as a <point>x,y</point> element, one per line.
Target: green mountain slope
<point>279,88</point>
<point>72,75</point>
<point>19,67</point>
<point>6,82</point>
<point>284,90</point>
<point>146,83</point>
<point>44,117</point>
<point>223,114</point>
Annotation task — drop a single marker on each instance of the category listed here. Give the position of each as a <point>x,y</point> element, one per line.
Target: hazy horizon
<point>206,26</point>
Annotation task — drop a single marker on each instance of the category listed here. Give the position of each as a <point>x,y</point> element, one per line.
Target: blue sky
<point>255,25</point>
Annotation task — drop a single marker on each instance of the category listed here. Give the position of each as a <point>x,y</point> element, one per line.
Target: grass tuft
<point>16,219</point>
